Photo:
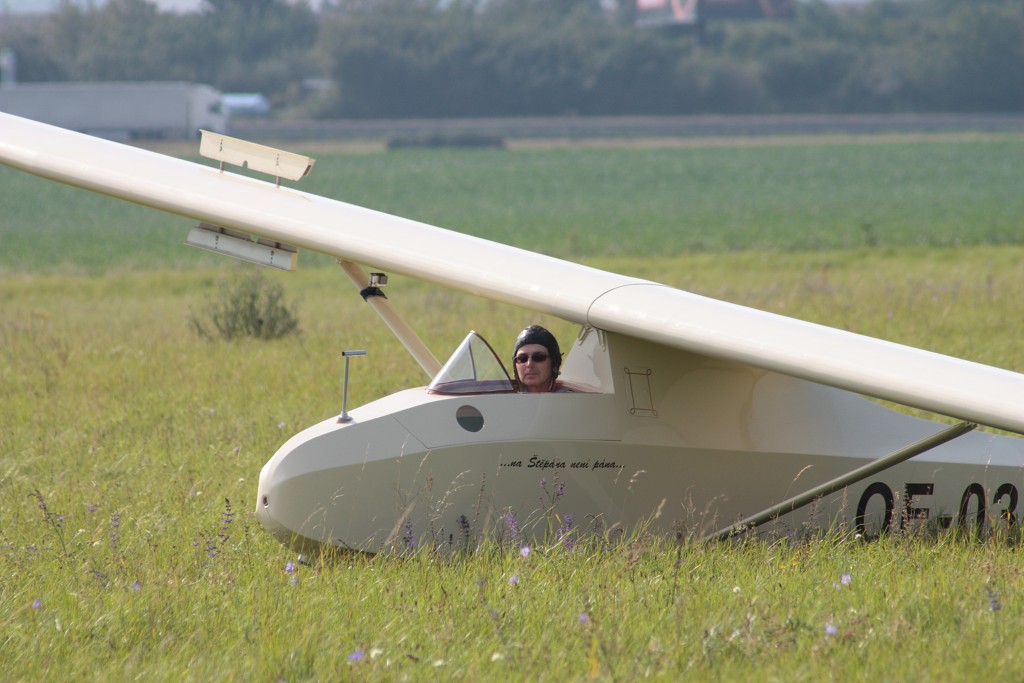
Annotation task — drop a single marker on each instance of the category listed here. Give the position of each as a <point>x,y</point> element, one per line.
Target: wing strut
<point>410,340</point>
<point>873,467</point>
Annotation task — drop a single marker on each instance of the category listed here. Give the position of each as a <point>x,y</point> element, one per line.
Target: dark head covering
<point>535,334</point>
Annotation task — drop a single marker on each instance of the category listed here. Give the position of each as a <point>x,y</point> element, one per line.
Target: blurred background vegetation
<point>452,58</point>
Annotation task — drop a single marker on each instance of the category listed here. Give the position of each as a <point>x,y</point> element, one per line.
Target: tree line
<point>435,58</point>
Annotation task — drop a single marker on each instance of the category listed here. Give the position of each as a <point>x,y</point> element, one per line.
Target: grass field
<point>129,448</point>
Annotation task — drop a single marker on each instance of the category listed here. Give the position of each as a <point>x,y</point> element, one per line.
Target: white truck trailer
<point>121,111</point>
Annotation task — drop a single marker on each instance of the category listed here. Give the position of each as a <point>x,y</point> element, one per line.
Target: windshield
<point>474,368</point>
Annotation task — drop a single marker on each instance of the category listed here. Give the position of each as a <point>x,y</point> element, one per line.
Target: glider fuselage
<point>655,437</point>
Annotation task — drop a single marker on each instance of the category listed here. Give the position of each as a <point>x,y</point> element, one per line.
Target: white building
<point>44,6</point>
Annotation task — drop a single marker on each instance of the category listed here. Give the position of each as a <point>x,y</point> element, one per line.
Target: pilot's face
<point>534,373</point>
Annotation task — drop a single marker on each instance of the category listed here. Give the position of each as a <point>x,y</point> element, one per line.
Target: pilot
<point>537,359</point>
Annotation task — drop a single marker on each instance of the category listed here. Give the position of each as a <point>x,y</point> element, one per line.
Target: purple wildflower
<point>525,551</point>
<point>55,521</point>
<point>512,522</point>
<point>136,586</point>
<point>994,605</point>
<point>463,523</point>
<point>214,544</point>
<point>115,531</point>
<point>226,518</point>
<point>559,489</point>
<point>845,579</point>
<point>583,618</point>
<point>830,629</point>
<point>37,603</point>
<point>289,568</point>
<point>564,532</point>
<point>356,656</point>
<point>409,537</point>
<point>513,580</point>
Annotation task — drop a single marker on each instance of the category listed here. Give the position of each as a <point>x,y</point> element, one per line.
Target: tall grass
<point>143,442</point>
<point>129,450</point>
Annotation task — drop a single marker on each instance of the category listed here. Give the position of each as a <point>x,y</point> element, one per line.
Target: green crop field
<point>582,202</point>
<point>130,447</point>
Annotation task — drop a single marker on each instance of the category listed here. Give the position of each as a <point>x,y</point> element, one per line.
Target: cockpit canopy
<point>474,368</point>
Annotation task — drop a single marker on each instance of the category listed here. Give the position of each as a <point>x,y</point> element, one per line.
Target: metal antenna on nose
<point>344,417</point>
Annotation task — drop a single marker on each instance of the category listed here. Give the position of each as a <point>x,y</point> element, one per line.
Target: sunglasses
<point>538,357</point>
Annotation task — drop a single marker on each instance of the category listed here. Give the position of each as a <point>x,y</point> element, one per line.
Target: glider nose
<point>286,512</point>
<point>278,509</point>
<point>265,512</point>
<point>324,486</point>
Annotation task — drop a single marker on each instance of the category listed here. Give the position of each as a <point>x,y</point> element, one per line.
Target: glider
<point>687,414</point>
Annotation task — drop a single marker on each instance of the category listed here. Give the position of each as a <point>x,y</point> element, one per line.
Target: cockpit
<point>474,368</point>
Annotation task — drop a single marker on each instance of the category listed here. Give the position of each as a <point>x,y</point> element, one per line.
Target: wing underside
<point>629,306</point>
